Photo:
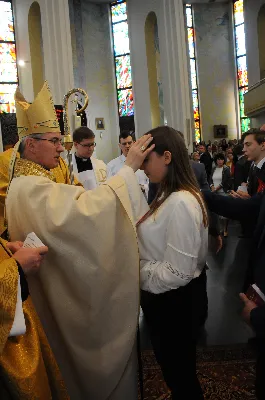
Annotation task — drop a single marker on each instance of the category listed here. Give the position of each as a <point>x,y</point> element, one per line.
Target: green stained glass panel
<point>245,125</point>
<point>242,102</point>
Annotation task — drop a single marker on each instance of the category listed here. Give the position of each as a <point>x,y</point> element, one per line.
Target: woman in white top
<point>173,241</point>
<point>220,182</point>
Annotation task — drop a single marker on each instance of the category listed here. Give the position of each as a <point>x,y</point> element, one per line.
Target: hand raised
<point>139,151</point>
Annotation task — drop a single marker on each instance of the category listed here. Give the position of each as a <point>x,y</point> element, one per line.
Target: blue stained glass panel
<point>123,71</point>
<point>6,22</point>
<point>121,38</point>
<point>240,40</point>
<point>126,103</point>
<point>118,12</point>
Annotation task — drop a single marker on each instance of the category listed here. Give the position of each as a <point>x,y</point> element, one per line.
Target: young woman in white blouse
<point>173,241</point>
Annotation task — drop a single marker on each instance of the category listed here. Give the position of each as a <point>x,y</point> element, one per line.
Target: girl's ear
<point>168,157</point>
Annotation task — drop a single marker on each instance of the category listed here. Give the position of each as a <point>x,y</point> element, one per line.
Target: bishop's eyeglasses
<point>55,141</point>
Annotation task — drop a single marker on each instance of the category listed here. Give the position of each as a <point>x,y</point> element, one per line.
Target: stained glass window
<point>241,59</point>
<point>8,59</point>
<point>123,71</point>
<point>193,72</point>
<point>122,58</point>
<point>6,22</point>
<point>118,12</point>
<point>125,100</point>
<point>121,38</point>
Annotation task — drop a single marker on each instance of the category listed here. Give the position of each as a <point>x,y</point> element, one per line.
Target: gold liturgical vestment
<point>28,370</point>
<point>61,174</point>
<point>87,290</point>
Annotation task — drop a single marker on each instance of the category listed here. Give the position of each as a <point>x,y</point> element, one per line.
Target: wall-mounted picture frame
<point>100,124</point>
<point>220,131</point>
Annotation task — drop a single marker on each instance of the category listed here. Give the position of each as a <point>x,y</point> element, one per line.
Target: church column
<point>57,47</point>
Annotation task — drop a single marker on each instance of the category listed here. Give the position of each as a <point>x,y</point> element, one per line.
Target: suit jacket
<point>201,176</point>
<point>226,178</point>
<point>206,159</point>
<point>241,172</point>
<point>253,182</point>
<point>252,209</point>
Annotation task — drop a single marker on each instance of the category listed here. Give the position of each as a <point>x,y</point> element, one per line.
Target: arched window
<point>122,58</point>
<point>8,58</point>
<point>193,72</point>
<point>36,46</point>
<point>241,60</point>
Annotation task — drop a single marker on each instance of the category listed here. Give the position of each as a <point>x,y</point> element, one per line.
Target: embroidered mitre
<point>38,117</point>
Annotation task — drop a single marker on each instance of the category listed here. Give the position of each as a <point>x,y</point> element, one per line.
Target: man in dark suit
<point>247,210</point>
<point>200,173</point>
<point>242,167</point>
<point>206,159</point>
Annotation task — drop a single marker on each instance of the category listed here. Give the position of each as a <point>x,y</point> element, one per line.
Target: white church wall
<point>216,68</point>
<point>174,67</point>
<point>57,51</point>
<point>251,11</point>
<point>94,71</point>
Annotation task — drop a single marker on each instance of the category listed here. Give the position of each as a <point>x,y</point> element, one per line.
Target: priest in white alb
<point>87,290</point>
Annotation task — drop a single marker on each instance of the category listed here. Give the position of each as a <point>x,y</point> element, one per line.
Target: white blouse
<point>173,244</point>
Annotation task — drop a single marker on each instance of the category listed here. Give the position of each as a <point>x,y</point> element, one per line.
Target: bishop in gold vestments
<point>28,370</point>
<point>87,290</point>
<point>61,175</point>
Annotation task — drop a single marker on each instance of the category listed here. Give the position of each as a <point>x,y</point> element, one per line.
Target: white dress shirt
<point>173,244</point>
<point>260,164</point>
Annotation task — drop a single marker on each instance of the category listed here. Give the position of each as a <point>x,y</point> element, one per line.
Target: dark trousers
<point>260,369</point>
<point>174,320</point>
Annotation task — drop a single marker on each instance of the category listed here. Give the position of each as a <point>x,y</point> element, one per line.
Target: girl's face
<point>156,166</point>
<point>220,163</point>
<point>230,156</point>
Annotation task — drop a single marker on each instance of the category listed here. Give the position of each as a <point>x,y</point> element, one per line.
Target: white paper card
<point>243,188</point>
<point>32,241</point>
<point>19,325</point>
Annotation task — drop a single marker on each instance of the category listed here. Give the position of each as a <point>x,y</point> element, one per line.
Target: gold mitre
<point>38,117</point>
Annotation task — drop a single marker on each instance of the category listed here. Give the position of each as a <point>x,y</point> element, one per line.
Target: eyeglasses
<point>88,145</point>
<point>55,141</point>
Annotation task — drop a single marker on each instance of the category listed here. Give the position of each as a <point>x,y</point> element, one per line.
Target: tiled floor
<point>225,280</point>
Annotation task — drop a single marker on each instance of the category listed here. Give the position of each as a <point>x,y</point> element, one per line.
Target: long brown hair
<point>180,175</point>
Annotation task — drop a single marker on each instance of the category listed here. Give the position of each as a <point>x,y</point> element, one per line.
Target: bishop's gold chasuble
<point>87,290</point>
<point>28,370</point>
